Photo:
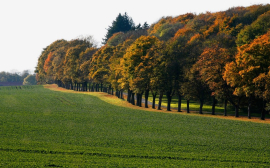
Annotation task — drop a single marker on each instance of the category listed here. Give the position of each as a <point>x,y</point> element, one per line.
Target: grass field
<point>44,128</point>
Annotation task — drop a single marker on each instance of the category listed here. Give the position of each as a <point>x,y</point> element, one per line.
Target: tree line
<point>24,78</point>
<point>222,56</point>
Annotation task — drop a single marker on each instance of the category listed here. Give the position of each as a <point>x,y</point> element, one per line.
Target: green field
<point>44,128</point>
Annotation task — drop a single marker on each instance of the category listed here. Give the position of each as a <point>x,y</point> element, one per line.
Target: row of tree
<point>222,56</point>
<point>24,78</point>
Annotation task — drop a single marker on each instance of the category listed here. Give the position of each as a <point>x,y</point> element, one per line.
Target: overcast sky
<point>28,26</point>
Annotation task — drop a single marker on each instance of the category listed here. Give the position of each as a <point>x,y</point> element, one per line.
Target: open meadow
<point>44,128</point>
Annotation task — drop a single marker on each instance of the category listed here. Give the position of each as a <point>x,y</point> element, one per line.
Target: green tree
<point>257,28</point>
<point>30,80</point>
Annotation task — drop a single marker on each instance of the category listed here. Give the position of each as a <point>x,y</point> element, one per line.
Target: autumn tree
<point>84,62</point>
<point>210,66</point>
<point>116,77</point>
<point>71,68</point>
<point>57,65</point>
<point>249,73</point>
<point>99,66</point>
<point>43,57</point>
<point>183,50</point>
<point>134,63</point>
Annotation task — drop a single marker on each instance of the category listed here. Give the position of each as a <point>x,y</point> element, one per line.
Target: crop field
<point>44,128</point>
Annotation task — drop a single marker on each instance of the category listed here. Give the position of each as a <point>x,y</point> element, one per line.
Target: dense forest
<point>223,57</point>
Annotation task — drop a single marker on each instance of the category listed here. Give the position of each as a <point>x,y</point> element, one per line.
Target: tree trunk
<point>132,98</point>
<point>85,86</point>
<point>101,87</point>
<point>93,87</point>
<point>179,102</point>
<point>249,108</point>
<point>138,99</point>
<point>213,105</point>
<point>236,110</point>
<point>146,98</point>
<point>160,100</point>
<point>169,100</point>
<point>128,96</point>
<point>110,86</point>
<point>118,93</point>
<point>97,87</point>
<point>112,91</point>
<point>154,100</point>
<point>187,106</point>
<point>201,106</point>
<point>71,86</point>
<point>263,111</point>
<point>225,107</point>
<point>121,92</point>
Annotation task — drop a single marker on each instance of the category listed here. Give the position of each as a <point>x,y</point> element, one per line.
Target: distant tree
<point>145,25</point>
<point>13,77</point>
<point>120,37</point>
<point>30,80</point>
<point>122,23</point>
<point>89,39</point>
<point>25,73</point>
<point>257,28</point>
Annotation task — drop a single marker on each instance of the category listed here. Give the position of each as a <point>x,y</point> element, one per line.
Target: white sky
<point>28,26</point>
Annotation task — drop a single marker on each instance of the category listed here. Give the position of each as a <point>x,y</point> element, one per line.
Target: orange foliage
<point>184,31</point>
<point>48,62</point>
<point>184,19</point>
<point>195,37</point>
<point>211,67</point>
<point>249,72</point>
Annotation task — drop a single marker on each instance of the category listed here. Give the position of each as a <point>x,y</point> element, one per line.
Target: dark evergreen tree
<point>145,25</point>
<point>122,23</point>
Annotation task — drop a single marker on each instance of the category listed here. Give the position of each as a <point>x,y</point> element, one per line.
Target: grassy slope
<point>43,128</point>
